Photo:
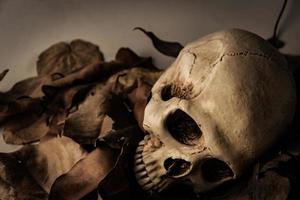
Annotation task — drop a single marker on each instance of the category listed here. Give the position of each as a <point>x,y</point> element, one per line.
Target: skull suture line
<point>222,103</point>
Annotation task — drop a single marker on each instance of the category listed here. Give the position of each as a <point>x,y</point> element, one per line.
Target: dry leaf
<point>98,71</point>
<point>167,48</point>
<point>27,133</point>
<point>16,182</point>
<point>23,121</point>
<point>130,58</point>
<point>85,123</point>
<point>18,106</point>
<point>139,99</point>
<point>30,172</point>
<point>51,158</point>
<point>135,87</point>
<point>100,166</point>
<point>272,187</point>
<point>65,58</point>
<point>85,175</point>
<point>120,182</point>
<point>3,73</point>
<point>61,58</point>
<point>30,87</point>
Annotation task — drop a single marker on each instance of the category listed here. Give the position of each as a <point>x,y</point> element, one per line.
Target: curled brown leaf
<point>167,48</point>
<point>3,74</point>
<point>98,71</point>
<point>135,87</point>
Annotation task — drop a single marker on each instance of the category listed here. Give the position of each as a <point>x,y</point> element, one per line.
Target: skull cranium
<point>222,103</point>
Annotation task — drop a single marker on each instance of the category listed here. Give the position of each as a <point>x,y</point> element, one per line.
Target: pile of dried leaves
<point>80,121</point>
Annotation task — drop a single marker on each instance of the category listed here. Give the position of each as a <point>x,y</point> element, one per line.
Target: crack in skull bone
<point>248,53</point>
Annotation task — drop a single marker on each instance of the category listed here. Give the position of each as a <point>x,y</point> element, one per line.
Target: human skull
<point>220,105</point>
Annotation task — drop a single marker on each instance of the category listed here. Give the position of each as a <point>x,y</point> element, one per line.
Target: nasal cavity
<point>177,167</point>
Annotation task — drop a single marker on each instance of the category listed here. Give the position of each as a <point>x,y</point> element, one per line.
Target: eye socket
<point>177,89</point>
<point>214,170</point>
<point>166,93</point>
<point>183,128</point>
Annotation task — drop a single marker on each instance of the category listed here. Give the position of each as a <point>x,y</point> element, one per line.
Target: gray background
<point>27,27</point>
